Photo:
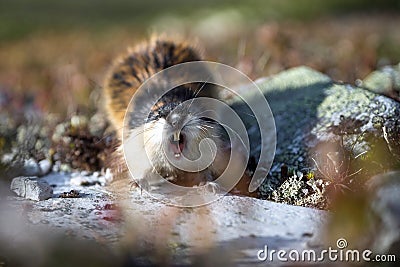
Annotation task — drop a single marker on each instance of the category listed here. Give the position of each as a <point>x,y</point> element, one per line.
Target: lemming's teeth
<point>177,155</point>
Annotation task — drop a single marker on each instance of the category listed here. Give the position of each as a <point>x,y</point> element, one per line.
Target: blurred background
<point>54,54</point>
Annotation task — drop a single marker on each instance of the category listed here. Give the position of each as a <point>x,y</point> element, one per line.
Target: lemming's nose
<point>174,118</point>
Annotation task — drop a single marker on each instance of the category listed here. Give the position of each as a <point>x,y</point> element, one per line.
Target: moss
<point>75,147</point>
<point>298,192</point>
<point>310,175</point>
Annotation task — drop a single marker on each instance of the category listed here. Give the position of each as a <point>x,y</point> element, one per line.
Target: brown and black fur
<point>132,69</point>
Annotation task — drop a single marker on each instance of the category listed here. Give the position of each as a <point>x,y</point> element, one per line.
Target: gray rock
<point>28,167</point>
<point>315,116</point>
<point>384,81</point>
<point>31,168</point>
<point>31,188</point>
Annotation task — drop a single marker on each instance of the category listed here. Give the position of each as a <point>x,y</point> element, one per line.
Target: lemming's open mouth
<point>177,143</point>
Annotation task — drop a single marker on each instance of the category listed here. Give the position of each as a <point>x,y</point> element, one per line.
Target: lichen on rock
<point>343,127</point>
<point>384,81</point>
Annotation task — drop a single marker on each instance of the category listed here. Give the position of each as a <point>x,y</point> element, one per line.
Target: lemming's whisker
<point>208,126</point>
<point>201,88</point>
<point>196,121</point>
<point>143,131</point>
<point>203,130</point>
<point>209,145</point>
<point>209,123</point>
<point>206,133</point>
<point>149,138</point>
<point>104,138</point>
<point>198,92</point>
<point>109,135</point>
<point>204,111</point>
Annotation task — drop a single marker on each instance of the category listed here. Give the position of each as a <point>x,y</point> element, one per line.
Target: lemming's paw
<point>210,187</point>
<point>143,184</point>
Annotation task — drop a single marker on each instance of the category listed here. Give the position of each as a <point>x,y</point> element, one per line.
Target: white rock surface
<point>32,188</point>
<point>119,214</point>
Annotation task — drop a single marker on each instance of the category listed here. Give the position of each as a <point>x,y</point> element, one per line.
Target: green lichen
<point>384,81</point>
<point>296,191</point>
<point>315,116</point>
